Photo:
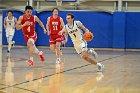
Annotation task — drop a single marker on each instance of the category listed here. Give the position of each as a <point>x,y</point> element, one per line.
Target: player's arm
<point>62,22</point>
<point>83,27</point>
<point>4,23</point>
<point>18,24</point>
<point>48,25</point>
<point>15,20</point>
<point>66,36</point>
<point>64,31</point>
<point>40,23</point>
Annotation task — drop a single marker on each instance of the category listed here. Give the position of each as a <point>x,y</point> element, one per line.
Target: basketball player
<point>54,26</point>
<point>74,29</point>
<point>9,26</point>
<point>26,22</point>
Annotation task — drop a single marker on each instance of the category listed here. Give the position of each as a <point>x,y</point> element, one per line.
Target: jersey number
<point>55,28</point>
<point>28,29</point>
<point>74,35</point>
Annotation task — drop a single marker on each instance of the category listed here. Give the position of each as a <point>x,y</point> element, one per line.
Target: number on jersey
<point>55,28</point>
<point>28,29</point>
<point>74,35</point>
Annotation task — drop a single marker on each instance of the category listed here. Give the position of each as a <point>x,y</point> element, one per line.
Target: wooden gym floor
<point>121,73</point>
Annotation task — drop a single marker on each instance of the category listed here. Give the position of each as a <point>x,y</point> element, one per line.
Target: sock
<point>36,51</point>
<point>40,53</point>
<point>99,64</point>
<point>31,58</point>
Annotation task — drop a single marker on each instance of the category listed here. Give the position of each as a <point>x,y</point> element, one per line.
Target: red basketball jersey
<point>30,29</point>
<point>55,25</point>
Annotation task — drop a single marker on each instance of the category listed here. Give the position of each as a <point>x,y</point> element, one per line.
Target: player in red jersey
<point>54,26</point>
<point>26,22</point>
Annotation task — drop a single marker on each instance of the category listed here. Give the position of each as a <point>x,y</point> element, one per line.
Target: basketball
<point>88,36</point>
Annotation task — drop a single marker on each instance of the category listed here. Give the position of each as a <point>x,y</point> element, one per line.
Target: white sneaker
<point>100,67</point>
<point>93,53</point>
<point>58,61</point>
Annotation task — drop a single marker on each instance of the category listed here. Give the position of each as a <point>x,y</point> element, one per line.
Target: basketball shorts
<point>10,32</point>
<point>80,46</point>
<point>27,37</point>
<point>55,38</point>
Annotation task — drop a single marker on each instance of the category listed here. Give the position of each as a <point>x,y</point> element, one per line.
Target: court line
<point>21,88</point>
<point>60,72</point>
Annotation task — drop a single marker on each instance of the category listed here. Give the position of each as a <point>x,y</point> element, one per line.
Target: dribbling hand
<point>45,31</point>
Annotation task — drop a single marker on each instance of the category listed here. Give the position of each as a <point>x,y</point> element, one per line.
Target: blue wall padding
<point>117,30</point>
<point>133,30</point>
<point>95,22</point>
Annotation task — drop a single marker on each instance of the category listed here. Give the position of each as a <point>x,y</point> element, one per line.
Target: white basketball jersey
<point>10,24</point>
<point>74,32</point>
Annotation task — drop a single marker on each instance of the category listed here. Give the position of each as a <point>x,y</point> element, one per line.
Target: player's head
<point>9,13</point>
<point>70,18</point>
<point>55,11</point>
<point>28,10</point>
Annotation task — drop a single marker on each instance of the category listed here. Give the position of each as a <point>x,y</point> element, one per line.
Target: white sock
<point>99,64</point>
<point>40,53</point>
<point>36,51</point>
<point>31,58</point>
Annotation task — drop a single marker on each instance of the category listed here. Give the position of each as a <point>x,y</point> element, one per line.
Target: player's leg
<point>40,53</point>
<point>30,44</point>
<point>35,50</point>
<point>52,47</point>
<point>58,51</point>
<point>92,52</point>
<point>85,56</point>
<point>10,42</point>
<point>7,36</point>
<point>52,42</point>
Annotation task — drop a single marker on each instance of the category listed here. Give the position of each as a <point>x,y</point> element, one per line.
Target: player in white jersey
<point>9,25</point>
<point>75,30</point>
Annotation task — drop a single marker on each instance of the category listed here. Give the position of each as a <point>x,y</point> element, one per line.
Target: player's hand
<point>26,23</point>
<point>45,31</point>
<point>60,33</point>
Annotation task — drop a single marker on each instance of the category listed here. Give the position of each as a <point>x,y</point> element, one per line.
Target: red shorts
<point>27,37</point>
<point>55,38</point>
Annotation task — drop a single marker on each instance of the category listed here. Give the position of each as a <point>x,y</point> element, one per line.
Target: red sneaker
<point>42,56</point>
<point>30,62</point>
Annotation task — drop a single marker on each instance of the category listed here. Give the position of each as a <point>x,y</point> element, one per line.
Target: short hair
<point>55,9</point>
<point>28,7</point>
<point>9,11</point>
<point>70,14</point>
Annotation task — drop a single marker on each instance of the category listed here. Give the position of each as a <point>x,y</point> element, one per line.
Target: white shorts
<point>80,46</point>
<point>10,32</point>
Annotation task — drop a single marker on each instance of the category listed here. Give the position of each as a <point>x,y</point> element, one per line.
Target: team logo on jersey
<point>54,23</point>
<point>72,31</point>
<point>30,23</point>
